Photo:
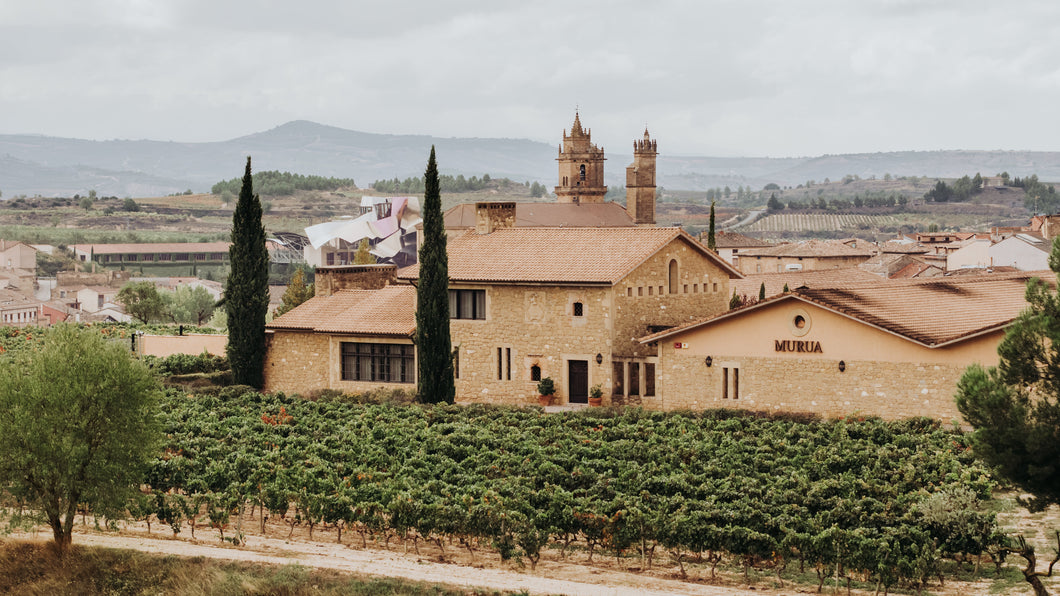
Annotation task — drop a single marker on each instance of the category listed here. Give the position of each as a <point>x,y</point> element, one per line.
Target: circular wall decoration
<point>799,322</point>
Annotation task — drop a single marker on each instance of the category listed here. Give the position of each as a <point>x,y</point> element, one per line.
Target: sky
<point>707,77</point>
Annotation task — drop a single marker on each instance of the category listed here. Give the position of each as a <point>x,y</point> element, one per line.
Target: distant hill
<point>51,166</point>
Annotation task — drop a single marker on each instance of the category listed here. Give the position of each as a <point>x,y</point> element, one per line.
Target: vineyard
<point>820,222</point>
<point>889,503</point>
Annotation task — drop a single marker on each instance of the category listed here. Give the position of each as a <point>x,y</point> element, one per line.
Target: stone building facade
<point>889,349</point>
<point>581,167</point>
<point>569,304</point>
<point>640,181</point>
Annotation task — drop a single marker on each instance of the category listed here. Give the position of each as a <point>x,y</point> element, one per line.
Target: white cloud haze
<point>717,77</point>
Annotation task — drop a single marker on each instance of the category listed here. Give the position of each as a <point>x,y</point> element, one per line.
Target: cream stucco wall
<point>884,374</point>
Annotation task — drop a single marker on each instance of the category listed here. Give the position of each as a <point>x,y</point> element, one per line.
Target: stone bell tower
<point>640,181</point>
<point>581,167</point>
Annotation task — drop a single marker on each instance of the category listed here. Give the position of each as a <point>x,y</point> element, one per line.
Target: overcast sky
<point>708,77</point>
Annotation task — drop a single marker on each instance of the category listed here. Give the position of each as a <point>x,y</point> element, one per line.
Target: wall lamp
<point>842,366</point>
<point>599,358</point>
<point>709,361</point>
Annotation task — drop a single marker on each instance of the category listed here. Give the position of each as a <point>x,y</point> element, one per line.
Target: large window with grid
<point>383,363</point>
<point>467,304</point>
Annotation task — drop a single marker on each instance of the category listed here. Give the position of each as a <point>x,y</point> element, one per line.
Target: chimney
<point>494,216</point>
<point>329,280</point>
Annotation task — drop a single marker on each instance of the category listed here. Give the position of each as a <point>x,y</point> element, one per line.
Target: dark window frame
<point>462,301</point>
<point>378,363</point>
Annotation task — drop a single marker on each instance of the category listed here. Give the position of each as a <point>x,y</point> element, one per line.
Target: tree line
<point>274,183</point>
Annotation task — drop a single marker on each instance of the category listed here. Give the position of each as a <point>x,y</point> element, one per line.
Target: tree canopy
<point>84,436</point>
<point>434,346</point>
<point>142,301</point>
<point>247,288</point>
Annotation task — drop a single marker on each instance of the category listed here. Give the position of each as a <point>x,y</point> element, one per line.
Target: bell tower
<point>581,167</point>
<point>640,181</point>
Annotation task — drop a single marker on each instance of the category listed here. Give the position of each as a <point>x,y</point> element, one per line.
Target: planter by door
<point>578,381</point>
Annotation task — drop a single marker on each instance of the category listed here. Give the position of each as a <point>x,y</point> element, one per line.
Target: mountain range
<point>51,166</point>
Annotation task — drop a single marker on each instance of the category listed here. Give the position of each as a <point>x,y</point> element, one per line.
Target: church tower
<point>640,182</point>
<point>581,167</point>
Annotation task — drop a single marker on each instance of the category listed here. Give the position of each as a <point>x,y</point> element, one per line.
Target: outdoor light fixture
<point>842,366</point>
<point>599,358</point>
<point>709,361</point>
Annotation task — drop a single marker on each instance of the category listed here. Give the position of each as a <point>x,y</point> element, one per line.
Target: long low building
<point>892,349</point>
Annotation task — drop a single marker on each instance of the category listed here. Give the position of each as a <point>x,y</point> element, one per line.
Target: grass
<point>34,568</point>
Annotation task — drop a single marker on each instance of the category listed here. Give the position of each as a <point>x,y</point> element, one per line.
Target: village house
<point>809,255</point>
<point>732,245</point>
<point>17,255</point>
<point>891,349</point>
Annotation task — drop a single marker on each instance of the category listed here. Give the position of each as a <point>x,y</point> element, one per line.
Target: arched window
<point>581,171</point>
<point>535,373</point>
<point>578,309</point>
<point>673,276</point>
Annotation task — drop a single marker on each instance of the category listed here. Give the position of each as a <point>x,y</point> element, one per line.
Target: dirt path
<point>550,577</point>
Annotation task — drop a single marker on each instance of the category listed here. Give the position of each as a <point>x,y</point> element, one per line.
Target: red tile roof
<point>571,215</point>
<point>389,311</point>
<point>559,255</point>
<point>161,247</point>
<point>810,248</point>
<point>822,278</point>
<point>932,312</point>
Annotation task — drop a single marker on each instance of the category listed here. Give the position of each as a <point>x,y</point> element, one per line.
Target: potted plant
<point>545,390</point>
<point>596,395</point>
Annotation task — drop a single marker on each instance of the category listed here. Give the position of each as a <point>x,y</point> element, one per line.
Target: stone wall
<point>643,298</point>
<point>114,279</point>
<point>296,362</point>
<point>751,264</point>
<point>538,326</point>
<point>302,362</point>
<point>891,390</point>
<point>329,280</point>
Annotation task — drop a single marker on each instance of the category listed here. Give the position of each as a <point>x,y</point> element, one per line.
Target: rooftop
<point>932,312</point>
<point>388,311</point>
<point>810,248</point>
<point>775,282</point>
<point>570,215</point>
<point>110,249</point>
<point>559,255</point>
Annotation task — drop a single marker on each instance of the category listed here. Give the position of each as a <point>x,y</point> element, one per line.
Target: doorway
<point>578,381</point>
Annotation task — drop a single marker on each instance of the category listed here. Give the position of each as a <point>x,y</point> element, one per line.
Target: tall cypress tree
<point>711,243</point>
<point>247,289</point>
<point>433,344</point>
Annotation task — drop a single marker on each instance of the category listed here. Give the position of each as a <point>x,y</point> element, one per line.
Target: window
<point>634,378</point>
<point>504,364</point>
<point>650,289</point>
<point>384,363</point>
<point>640,291</point>
<point>618,374</point>
<point>673,276</point>
<point>732,390</point>
<point>581,172</point>
<point>715,286</point>
<point>578,309</point>
<point>467,304</point>
<point>695,288</point>
<point>456,362</point>
<point>686,288</point>
<point>535,373</point>
<point>649,379</point>
<point>331,258</point>
<point>629,292</point>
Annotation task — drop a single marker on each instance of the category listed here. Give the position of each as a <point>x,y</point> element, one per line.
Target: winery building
<point>892,349</point>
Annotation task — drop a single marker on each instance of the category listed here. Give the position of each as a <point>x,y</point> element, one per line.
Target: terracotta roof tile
<point>735,240</point>
<point>110,249</point>
<point>389,311</point>
<point>932,312</point>
<point>585,215</point>
<point>558,255</point>
<point>822,278</point>
<point>810,248</point>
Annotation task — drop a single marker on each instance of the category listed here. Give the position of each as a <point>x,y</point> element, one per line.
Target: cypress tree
<point>762,291</point>
<point>434,346</point>
<point>247,289</point>
<point>711,243</point>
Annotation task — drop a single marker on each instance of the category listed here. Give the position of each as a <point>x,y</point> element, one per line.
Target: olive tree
<point>79,427</point>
